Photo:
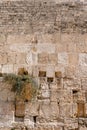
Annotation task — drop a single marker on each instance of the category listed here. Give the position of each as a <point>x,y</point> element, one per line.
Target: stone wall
<point>50,37</point>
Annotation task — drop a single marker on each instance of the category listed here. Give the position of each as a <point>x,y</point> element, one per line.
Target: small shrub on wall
<point>23,84</point>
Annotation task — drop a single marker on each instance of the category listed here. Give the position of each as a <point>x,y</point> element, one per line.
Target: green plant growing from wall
<point>23,84</point>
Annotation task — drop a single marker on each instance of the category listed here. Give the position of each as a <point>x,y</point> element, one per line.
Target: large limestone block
<point>34,71</point>
<point>84,83</point>
<point>74,110</point>
<point>68,42</point>
<point>20,39</point>
<point>20,48</point>
<point>20,58</point>
<point>45,94</point>
<point>86,109</point>
<point>19,109</point>
<point>11,58</point>
<point>45,38</point>
<point>70,71</point>
<point>53,58</point>
<point>6,108</point>
<point>53,95</point>
<point>32,109</point>
<point>65,96</point>
<point>43,58</point>
<point>83,59</point>
<point>63,58</point>
<point>73,59</point>
<point>49,112</point>
<point>57,38</point>
<point>81,71</point>
<point>81,95</point>
<point>54,110</point>
<point>81,45</point>
<point>50,70</point>
<point>65,110</point>
<point>44,86</point>
<point>2,39</point>
<point>54,87</point>
<point>8,68</point>
<point>3,58</point>
<point>72,83</point>
<point>81,112</point>
<point>31,58</point>
<point>68,38</point>
<point>46,48</point>
<point>5,92</point>
<point>71,124</point>
<point>61,47</point>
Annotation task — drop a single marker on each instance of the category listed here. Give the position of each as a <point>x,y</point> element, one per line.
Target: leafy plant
<point>22,84</point>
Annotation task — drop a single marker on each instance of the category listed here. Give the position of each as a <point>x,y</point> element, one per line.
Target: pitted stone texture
<point>7,68</point>
<point>49,36</point>
<point>83,84</point>
<point>83,59</point>
<point>5,92</point>
<point>32,109</point>
<point>46,48</point>
<point>63,58</point>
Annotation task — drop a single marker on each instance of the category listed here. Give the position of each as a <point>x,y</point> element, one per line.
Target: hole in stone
<point>22,71</point>
<point>26,100</point>
<point>42,73</point>
<point>58,103</point>
<point>58,74</point>
<point>45,2</point>
<point>74,91</point>
<point>50,79</point>
<point>35,119</point>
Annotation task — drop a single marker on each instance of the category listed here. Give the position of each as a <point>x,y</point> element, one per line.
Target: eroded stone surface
<point>49,36</point>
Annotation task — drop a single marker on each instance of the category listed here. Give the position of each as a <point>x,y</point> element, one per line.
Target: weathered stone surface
<point>31,58</point>
<point>32,109</point>
<point>3,58</point>
<point>43,58</point>
<point>83,84</point>
<point>46,48</point>
<point>20,39</point>
<point>7,68</point>
<point>83,128</point>
<point>83,59</point>
<point>20,58</point>
<point>73,59</point>
<point>52,59</point>
<point>63,58</point>
<point>19,48</point>
<point>19,109</point>
<point>2,39</point>
<point>49,40</point>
